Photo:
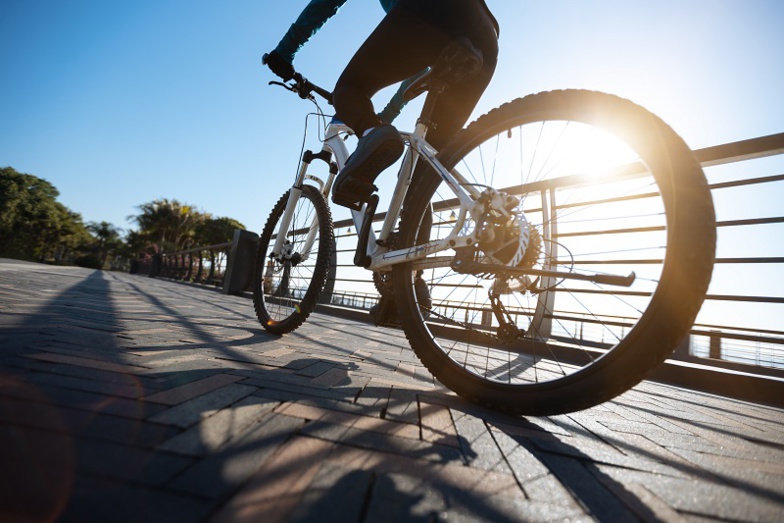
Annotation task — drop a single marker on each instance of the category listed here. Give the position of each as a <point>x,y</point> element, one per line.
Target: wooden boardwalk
<point>124,398</point>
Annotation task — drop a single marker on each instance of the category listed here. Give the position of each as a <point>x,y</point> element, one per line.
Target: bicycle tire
<point>559,373</point>
<point>285,291</point>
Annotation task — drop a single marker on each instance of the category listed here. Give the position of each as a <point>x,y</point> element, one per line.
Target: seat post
<point>425,118</point>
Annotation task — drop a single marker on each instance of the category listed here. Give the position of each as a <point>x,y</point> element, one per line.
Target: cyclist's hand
<point>279,65</point>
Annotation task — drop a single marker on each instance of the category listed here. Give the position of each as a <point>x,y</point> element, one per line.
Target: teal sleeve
<point>387,4</point>
<point>398,102</point>
<point>312,18</point>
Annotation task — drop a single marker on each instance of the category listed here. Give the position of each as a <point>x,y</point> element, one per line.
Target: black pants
<point>410,38</point>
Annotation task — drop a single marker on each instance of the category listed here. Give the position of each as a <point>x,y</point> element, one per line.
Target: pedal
<point>361,259</point>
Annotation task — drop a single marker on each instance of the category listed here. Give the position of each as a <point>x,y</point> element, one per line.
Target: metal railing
<point>203,265</point>
<point>733,346</point>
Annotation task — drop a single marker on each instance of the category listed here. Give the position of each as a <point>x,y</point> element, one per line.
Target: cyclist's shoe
<point>375,152</point>
<point>384,312</point>
<point>352,193</point>
<point>422,293</point>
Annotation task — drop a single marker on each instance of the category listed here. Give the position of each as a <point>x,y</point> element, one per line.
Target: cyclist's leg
<point>410,38</point>
<point>471,20</point>
<point>402,45</point>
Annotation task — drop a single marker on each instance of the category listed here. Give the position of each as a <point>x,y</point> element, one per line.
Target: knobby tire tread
<point>321,270</point>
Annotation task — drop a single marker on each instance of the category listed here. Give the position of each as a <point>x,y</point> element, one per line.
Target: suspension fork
<point>294,195</point>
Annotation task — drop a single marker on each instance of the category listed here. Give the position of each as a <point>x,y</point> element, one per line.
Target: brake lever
<point>302,87</point>
<point>288,87</point>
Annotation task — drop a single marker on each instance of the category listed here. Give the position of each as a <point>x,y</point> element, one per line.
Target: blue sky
<point>119,103</point>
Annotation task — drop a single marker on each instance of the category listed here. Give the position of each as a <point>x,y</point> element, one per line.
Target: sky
<point>119,103</point>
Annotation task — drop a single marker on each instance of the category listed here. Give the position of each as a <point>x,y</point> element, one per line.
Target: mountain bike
<point>566,240</point>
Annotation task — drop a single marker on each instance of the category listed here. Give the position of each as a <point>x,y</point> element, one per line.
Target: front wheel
<point>595,278</point>
<point>288,285</point>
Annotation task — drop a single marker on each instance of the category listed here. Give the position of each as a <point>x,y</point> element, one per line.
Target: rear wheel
<point>287,286</point>
<point>594,282</point>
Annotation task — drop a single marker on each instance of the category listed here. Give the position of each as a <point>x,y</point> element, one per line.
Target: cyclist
<point>408,40</point>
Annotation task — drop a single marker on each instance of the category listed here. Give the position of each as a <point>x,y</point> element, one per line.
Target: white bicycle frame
<point>474,206</point>
<point>380,257</point>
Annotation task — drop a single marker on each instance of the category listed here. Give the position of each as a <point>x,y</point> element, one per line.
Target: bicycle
<point>566,239</point>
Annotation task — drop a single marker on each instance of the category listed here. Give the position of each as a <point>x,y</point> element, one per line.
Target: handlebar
<point>302,86</point>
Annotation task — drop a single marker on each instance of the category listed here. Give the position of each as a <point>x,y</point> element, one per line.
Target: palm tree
<point>169,223</point>
<point>107,239</point>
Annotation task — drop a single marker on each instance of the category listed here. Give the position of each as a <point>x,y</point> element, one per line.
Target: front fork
<point>294,195</point>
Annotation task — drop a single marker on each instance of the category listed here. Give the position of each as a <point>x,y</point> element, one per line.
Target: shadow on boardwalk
<point>129,399</point>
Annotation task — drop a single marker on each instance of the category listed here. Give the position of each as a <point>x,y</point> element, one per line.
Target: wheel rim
<point>587,224</point>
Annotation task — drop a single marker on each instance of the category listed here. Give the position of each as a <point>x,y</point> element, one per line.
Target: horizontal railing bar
<point>750,149</point>
<point>752,299</point>
<point>748,181</point>
<point>739,329</point>
<point>198,249</point>
<point>617,199</point>
<point>630,230</point>
<point>653,261</point>
<point>714,297</point>
<point>751,221</point>
<point>740,337</point>
<point>750,260</point>
<point>350,280</point>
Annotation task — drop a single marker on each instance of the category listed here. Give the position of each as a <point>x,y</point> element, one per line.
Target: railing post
<point>199,273</point>
<point>190,267</point>
<point>156,265</point>
<point>714,347</point>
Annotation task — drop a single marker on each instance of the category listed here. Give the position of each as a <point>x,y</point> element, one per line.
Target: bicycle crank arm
<point>471,267</point>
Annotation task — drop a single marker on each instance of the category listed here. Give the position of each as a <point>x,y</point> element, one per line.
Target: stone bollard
<point>239,269</point>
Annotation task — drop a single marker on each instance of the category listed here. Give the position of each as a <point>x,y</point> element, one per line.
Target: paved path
<point>124,398</point>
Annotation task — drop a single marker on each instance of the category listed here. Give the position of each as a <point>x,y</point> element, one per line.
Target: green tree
<point>215,231</point>
<point>65,238</point>
<point>33,224</point>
